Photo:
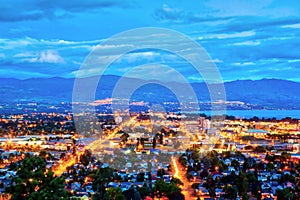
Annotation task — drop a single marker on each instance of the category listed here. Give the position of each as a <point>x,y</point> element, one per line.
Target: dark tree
<point>154,143</point>
<point>34,181</point>
<point>231,192</point>
<point>160,173</point>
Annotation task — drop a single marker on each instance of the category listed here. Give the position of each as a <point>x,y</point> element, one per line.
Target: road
<point>179,173</point>
<point>63,164</point>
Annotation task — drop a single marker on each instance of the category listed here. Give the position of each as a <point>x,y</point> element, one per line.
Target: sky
<point>246,39</point>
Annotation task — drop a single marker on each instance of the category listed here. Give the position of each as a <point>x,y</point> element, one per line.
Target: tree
<point>270,158</point>
<point>204,173</point>
<point>246,165</point>
<point>154,143</point>
<point>160,173</point>
<point>209,183</point>
<point>242,184</point>
<point>230,192</point>
<point>245,197</point>
<point>62,155</point>
<point>137,195</point>
<point>161,139</point>
<point>101,178</point>
<point>235,164</point>
<point>124,137</point>
<point>239,154</point>
<point>160,188</point>
<point>176,196</point>
<point>188,176</point>
<point>195,186</point>
<point>285,156</point>
<point>177,181</point>
<point>86,157</point>
<point>260,149</point>
<point>43,154</point>
<point>222,166</point>
<point>114,194</point>
<point>163,189</point>
<point>13,166</point>
<point>144,191</point>
<point>251,178</point>
<point>34,181</point>
<point>270,166</point>
<point>256,191</point>
<point>182,160</point>
<point>284,194</point>
<point>140,177</point>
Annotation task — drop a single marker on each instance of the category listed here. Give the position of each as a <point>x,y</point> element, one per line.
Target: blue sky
<point>246,39</point>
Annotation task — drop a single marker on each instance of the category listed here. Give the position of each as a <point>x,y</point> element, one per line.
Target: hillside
<point>269,93</point>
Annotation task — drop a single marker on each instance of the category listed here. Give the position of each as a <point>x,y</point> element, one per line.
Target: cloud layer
<point>245,40</point>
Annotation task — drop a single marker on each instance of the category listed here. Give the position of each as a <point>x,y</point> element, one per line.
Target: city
<point>150,156</point>
<point>149,100</point>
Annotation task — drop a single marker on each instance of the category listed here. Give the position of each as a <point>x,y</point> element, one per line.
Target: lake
<point>279,114</point>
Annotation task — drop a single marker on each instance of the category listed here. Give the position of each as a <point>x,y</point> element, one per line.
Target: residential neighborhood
<point>136,160</point>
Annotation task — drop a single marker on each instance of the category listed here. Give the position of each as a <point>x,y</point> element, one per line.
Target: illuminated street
<point>63,164</point>
<point>180,174</point>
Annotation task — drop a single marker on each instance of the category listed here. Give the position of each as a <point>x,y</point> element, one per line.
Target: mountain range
<point>265,93</point>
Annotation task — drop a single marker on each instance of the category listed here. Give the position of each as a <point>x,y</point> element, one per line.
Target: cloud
<point>50,56</point>
<point>215,61</point>
<point>247,43</point>
<point>291,26</point>
<point>248,23</point>
<point>243,63</point>
<point>139,56</point>
<point>243,39</point>
<point>28,46</point>
<point>42,57</point>
<point>13,15</point>
<point>231,35</point>
<point>17,10</point>
<point>47,56</point>
<point>270,8</point>
<point>167,14</point>
<point>294,60</point>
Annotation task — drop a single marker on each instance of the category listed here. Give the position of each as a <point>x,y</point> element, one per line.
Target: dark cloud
<point>7,16</point>
<point>18,10</point>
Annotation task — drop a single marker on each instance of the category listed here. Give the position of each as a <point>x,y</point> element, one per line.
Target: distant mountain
<point>267,93</point>
<point>270,93</point>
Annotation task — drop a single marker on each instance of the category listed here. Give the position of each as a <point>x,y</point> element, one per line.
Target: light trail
<point>175,168</point>
<point>99,142</point>
<point>187,190</point>
<point>63,164</point>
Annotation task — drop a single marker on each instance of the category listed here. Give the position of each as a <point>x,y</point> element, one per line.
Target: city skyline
<point>246,40</point>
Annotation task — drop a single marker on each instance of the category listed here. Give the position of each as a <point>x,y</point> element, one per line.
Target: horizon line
<point>200,81</point>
